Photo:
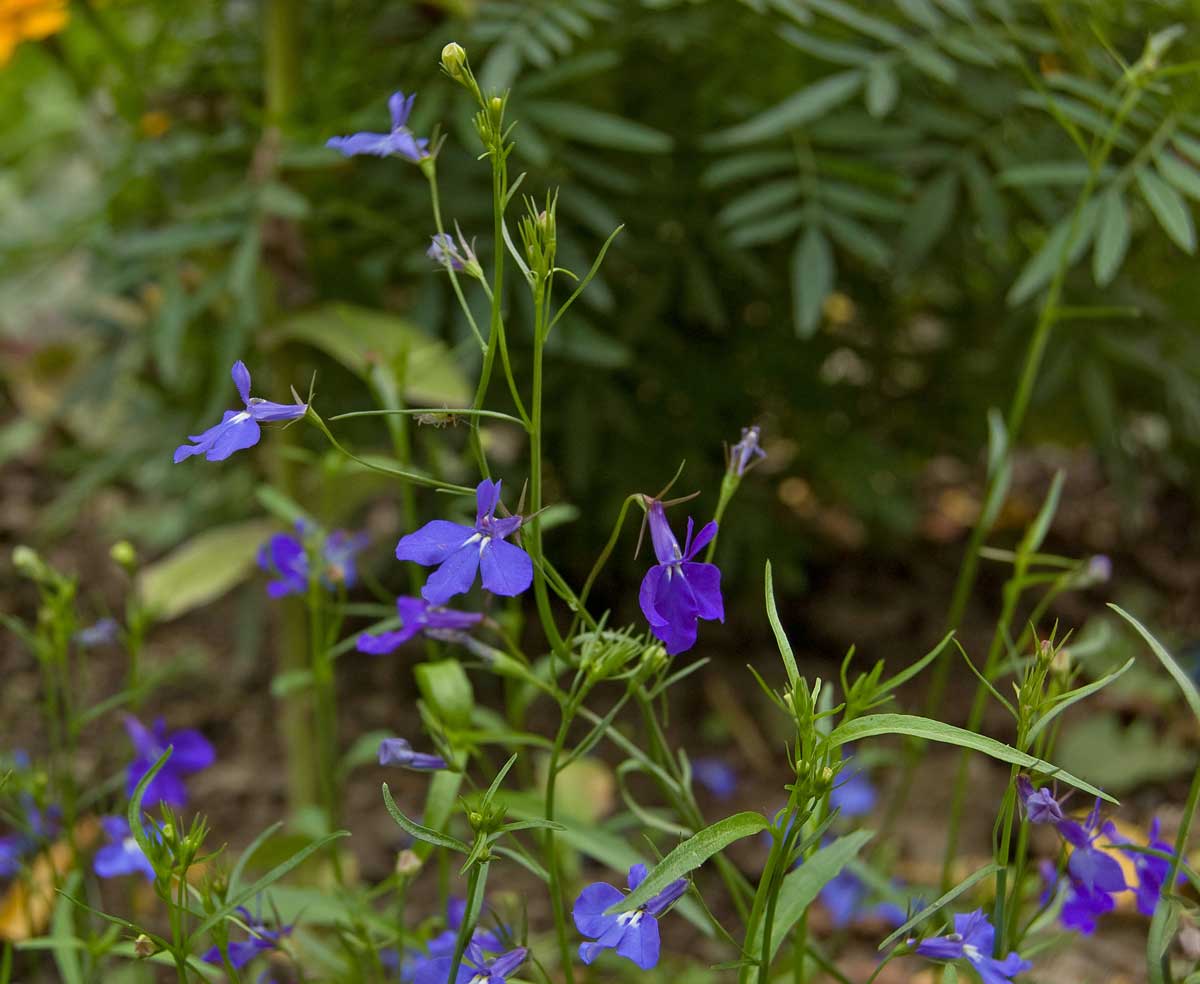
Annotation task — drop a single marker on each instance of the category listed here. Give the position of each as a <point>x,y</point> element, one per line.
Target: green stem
<point>557,900</point>
<point>1181,839</point>
<point>729,485</point>
<point>281,33</point>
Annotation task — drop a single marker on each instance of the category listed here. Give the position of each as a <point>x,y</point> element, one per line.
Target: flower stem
<point>558,903</point>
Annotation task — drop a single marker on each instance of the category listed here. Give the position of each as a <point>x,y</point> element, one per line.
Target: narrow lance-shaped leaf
<point>872,725</point>
<point>692,853</point>
<point>883,89</point>
<point>802,107</point>
<point>928,218</point>
<point>1190,693</point>
<point>950,896</point>
<point>1112,238</point>
<point>421,833</point>
<point>1169,208</point>
<point>813,274</point>
<point>1065,243</point>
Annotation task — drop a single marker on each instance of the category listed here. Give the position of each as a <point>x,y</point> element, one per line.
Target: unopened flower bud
<point>28,562</point>
<point>123,553</point>
<point>497,106</point>
<point>454,59</point>
<point>407,863</point>
<point>144,947</point>
<point>1060,663</point>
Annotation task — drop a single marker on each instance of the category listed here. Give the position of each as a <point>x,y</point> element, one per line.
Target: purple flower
<point>1081,909</point>
<point>238,429</point>
<point>286,557</point>
<point>634,935</point>
<point>416,615</point>
<point>121,855</point>
<point>191,752</point>
<point>443,944</point>
<point>973,940</point>
<point>443,250</point>
<point>1152,871</point>
<point>678,590</point>
<point>461,551</point>
<point>242,952</point>
<point>476,966</point>
<point>853,794</point>
<point>746,453</point>
<point>399,143</point>
<point>397,751</point>
<point>40,826</point>
<point>101,633</point>
<point>1040,805</point>
<point>845,896</point>
<point>716,775</point>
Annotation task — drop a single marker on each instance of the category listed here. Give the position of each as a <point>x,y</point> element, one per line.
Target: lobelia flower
<point>679,590</point>
<point>443,944</point>
<point>973,940</point>
<point>853,793</point>
<point>399,143</point>
<point>476,967</point>
<point>747,452</point>
<point>845,896</point>
<point>40,827</point>
<point>416,615</point>
<point>461,551</point>
<point>1152,871</point>
<point>286,557</point>
<point>634,935</point>
<point>716,775</point>
<point>397,751</point>
<point>242,952</point>
<point>238,429</point>
<point>100,633</point>
<point>122,855</point>
<point>191,752</point>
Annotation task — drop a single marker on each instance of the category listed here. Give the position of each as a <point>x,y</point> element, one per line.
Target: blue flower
<point>101,633</point>
<point>476,967</point>
<point>443,944</point>
<point>121,855</point>
<point>845,896</point>
<point>238,429</point>
<point>399,143</point>
<point>286,557</point>
<point>716,775</point>
<point>746,453</point>
<point>634,935</point>
<point>416,615</point>
<point>973,940</point>
<point>191,752</point>
<point>1152,871</point>
<point>40,826</point>
<point>397,751</point>
<point>262,939</point>
<point>853,794</point>
<point>679,590</point>
<point>462,551</point>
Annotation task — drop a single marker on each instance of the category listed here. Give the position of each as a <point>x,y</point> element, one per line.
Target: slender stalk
<point>551,850</point>
<point>1181,839</point>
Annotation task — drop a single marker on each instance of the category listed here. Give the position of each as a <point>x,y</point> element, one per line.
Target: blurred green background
<point>839,219</point>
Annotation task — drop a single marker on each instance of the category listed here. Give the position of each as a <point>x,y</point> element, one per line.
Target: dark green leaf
<point>813,274</point>
<point>800,108</point>
<point>420,832</point>
<point>591,126</point>
<point>1169,208</point>
<point>1112,237</point>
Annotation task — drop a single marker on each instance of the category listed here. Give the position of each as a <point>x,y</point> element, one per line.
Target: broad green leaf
<point>447,691</point>
<point>802,107</point>
<point>872,725</point>
<point>692,853</point>
<point>1169,208</point>
<point>950,896</point>
<point>591,126</point>
<point>359,337</point>
<point>1181,174</point>
<point>801,887</point>
<point>1112,238</point>
<point>203,569</point>
<point>1060,246</point>
<point>1190,693</point>
<point>928,219</point>
<point>883,88</point>
<point>419,831</point>
<point>813,273</point>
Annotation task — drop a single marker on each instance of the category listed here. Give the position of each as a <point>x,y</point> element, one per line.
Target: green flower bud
<point>28,562</point>
<point>454,60</point>
<point>123,553</point>
<point>407,863</point>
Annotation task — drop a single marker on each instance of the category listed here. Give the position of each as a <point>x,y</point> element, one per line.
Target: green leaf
<point>1190,693</point>
<point>813,274</point>
<point>781,639</point>
<point>767,198</point>
<point>928,219</point>
<point>1040,268</point>
<point>1070,174</point>
<point>1179,173</point>
<point>420,832</point>
<point>1074,697</point>
<point>447,690</point>
<point>359,337</point>
<point>203,569</point>
<point>1112,239</point>
<point>883,88</point>
<point>1163,926</point>
<point>591,126</point>
<point>1169,208</point>
<point>872,725</point>
<point>950,896</point>
<point>689,855</point>
<point>858,239</point>
<point>750,164</point>
<point>801,886</point>
<point>62,933</point>
<point>800,108</point>
<point>439,805</point>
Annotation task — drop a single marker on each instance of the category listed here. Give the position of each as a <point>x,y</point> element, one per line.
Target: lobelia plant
<point>576,676</point>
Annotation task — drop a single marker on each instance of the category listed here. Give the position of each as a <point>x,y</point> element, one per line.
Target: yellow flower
<point>29,20</point>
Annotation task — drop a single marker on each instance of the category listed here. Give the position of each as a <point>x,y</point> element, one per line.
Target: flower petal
<point>487,497</point>
<point>640,943</point>
<point>265,410</point>
<point>637,875</point>
<point>191,751</point>
<point>588,911</point>
<point>400,106</point>
<point>455,576</point>
<point>506,568</point>
<point>433,542</point>
<point>385,642</point>
<point>708,531</point>
<point>241,379</point>
<point>236,432</point>
<point>651,585</point>
<point>705,581</point>
<point>666,547</point>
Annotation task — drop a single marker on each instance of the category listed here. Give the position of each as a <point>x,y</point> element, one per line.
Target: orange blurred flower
<point>29,20</point>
